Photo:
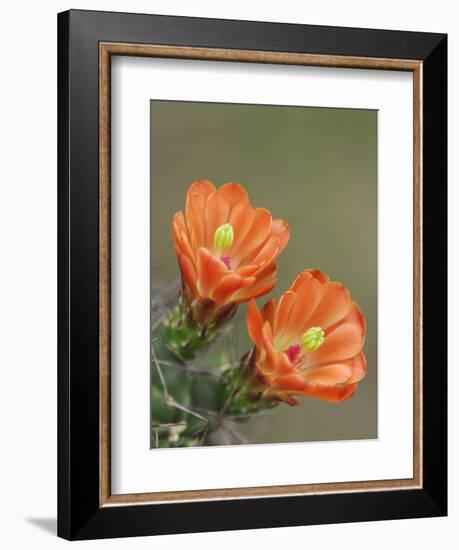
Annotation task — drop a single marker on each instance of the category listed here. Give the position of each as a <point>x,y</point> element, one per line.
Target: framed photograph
<point>252,274</point>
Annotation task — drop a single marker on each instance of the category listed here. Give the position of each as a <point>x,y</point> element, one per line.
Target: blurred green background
<point>317,169</point>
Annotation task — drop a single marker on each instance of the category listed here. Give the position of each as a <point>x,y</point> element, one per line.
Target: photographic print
<point>263,274</point>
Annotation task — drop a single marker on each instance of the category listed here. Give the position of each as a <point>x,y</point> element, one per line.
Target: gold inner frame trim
<point>106,51</point>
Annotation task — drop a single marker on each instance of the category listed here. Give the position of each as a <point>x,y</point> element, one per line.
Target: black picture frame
<point>80,515</point>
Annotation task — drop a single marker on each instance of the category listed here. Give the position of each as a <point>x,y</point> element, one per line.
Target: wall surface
<point>28,274</point>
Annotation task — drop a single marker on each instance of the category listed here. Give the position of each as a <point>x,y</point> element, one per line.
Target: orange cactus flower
<point>309,343</point>
<point>226,249</point>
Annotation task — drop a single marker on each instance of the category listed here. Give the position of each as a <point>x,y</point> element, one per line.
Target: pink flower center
<point>293,351</point>
<point>227,261</point>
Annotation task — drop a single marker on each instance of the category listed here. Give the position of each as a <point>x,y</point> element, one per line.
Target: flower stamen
<point>293,352</point>
<point>227,261</point>
<point>312,339</point>
<point>223,238</point>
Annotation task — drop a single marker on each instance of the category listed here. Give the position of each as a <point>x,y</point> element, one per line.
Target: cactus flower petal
<point>310,342</point>
<point>226,249</point>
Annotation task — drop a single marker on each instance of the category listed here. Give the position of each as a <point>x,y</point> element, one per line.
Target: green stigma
<point>223,238</point>
<point>312,339</point>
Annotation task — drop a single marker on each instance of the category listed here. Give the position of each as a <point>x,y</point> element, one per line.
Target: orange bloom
<point>226,249</point>
<point>309,343</point>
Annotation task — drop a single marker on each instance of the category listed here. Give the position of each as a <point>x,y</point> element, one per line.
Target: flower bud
<point>312,339</point>
<point>223,238</point>
<point>223,314</point>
